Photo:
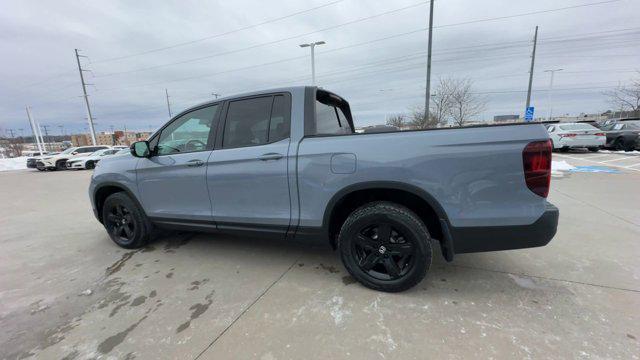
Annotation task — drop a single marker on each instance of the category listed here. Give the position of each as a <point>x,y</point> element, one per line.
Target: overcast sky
<point>375,54</point>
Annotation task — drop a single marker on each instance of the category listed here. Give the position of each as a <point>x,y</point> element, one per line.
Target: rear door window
<point>257,121</point>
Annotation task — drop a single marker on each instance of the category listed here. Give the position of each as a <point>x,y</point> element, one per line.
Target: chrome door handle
<point>195,163</point>
<point>270,156</point>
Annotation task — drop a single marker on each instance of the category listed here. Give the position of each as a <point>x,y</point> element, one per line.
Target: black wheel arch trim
<point>371,185</point>
<point>123,188</point>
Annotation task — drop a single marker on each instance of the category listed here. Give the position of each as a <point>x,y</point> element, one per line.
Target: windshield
<point>68,151</point>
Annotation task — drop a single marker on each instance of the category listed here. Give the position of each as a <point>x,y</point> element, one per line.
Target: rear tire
<point>594,149</point>
<point>564,149</point>
<point>125,222</point>
<point>618,144</point>
<point>385,246</point>
<point>61,165</point>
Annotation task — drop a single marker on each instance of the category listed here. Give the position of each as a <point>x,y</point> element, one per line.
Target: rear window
<point>576,127</point>
<point>330,120</point>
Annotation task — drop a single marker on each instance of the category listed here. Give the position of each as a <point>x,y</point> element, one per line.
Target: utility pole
<point>313,58</point>
<point>86,98</point>
<point>553,71</point>
<point>61,127</point>
<point>34,130</point>
<point>11,132</point>
<point>168,103</point>
<point>427,97</point>
<point>533,59</point>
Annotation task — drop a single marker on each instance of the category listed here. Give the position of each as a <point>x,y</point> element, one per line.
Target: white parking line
<point>632,166</point>
<point>598,162</point>
<point>612,160</point>
<point>599,156</point>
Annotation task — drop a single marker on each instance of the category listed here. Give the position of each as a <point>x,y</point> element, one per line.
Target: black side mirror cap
<point>141,149</point>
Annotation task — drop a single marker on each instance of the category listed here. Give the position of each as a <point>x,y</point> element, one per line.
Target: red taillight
<point>600,134</point>
<point>568,135</point>
<point>536,161</point>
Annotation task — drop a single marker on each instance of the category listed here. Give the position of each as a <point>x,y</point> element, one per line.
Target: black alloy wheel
<point>61,165</point>
<point>89,165</point>
<point>382,251</point>
<point>125,222</point>
<point>120,223</point>
<point>385,246</point>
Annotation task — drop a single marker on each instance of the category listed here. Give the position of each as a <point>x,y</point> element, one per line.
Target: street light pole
<point>313,58</point>
<point>552,71</point>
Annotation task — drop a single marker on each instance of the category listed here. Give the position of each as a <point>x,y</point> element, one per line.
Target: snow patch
<point>337,311</point>
<point>558,168</point>
<point>385,337</point>
<point>17,163</point>
<point>524,282</point>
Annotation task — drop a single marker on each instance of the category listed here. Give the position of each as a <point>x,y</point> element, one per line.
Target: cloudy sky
<point>375,54</point>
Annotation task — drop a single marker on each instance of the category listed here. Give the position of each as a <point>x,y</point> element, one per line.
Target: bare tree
<point>441,100</point>
<point>626,98</point>
<point>419,121</point>
<point>13,148</point>
<point>398,120</point>
<point>464,103</point>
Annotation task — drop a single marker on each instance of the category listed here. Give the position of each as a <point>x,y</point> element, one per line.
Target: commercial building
<point>118,137</point>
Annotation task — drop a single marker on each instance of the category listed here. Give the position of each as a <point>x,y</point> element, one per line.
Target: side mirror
<point>140,149</point>
<point>74,153</point>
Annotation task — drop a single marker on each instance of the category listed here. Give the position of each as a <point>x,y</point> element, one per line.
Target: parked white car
<point>566,136</point>
<point>58,162</point>
<point>89,161</point>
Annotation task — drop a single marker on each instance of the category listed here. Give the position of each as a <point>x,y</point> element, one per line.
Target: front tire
<point>125,222</point>
<point>594,149</point>
<point>385,246</point>
<point>89,165</point>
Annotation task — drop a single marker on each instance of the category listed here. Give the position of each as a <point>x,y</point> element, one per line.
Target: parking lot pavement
<point>616,159</point>
<point>67,291</point>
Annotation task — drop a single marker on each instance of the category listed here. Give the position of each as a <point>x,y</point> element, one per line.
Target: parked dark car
<point>622,135</point>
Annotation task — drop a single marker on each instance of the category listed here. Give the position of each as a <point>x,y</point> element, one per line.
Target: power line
<point>349,23</point>
<point>528,13</point>
<point>518,43</point>
<point>266,43</point>
<point>373,41</point>
<point>220,34</point>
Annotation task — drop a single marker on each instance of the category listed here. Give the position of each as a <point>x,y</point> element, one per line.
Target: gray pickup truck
<point>287,163</point>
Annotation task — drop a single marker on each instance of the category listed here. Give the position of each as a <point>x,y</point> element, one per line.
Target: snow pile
<point>557,167</point>
<point>632,152</point>
<point>17,163</point>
